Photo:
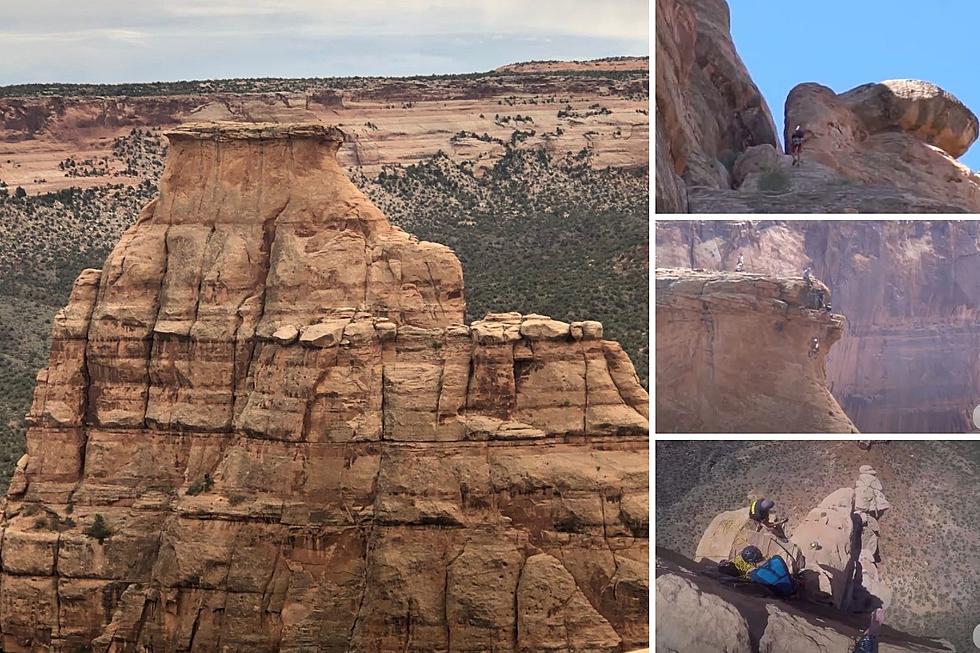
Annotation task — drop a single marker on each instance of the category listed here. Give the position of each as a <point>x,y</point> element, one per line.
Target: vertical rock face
<point>735,354</point>
<point>708,108</point>
<point>264,426</point>
<point>908,361</point>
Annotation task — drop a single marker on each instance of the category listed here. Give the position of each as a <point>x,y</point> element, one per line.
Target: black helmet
<point>768,504</point>
<point>751,554</point>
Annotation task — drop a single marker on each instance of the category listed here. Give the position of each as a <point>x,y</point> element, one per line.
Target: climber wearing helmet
<point>740,266</point>
<point>743,563</point>
<point>759,512</point>
<point>796,145</point>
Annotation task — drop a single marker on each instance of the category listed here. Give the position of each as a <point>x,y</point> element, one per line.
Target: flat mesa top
<point>235,131</point>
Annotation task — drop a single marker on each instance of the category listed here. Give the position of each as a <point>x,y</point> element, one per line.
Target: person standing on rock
<point>807,278</point>
<point>759,512</point>
<point>814,347</point>
<point>740,266</point>
<point>796,145</point>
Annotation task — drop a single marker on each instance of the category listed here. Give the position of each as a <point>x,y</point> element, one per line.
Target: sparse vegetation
<point>99,530</point>
<point>774,180</point>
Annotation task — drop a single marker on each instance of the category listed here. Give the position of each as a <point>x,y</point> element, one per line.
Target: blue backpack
<point>775,575</point>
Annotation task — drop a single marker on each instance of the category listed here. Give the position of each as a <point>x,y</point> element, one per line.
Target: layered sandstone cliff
<point>885,147</point>
<point>908,361</point>
<point>599,106</point>
<point>735,353</point>
<point>833,553</point>
<point>264,427</point>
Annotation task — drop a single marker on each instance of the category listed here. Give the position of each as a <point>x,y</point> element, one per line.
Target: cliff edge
<point>740,352</point>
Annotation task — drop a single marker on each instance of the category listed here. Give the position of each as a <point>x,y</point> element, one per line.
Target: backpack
<point>775,575</point>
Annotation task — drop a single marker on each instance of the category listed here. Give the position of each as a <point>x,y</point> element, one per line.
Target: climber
<point>814,348</point>
<point>740,266</point>
<point>796,145</point>
<point>818,299</point>
<point>807,279</point>
<point>759,512</point>
<point>743,563</point>
<point>869,638</point>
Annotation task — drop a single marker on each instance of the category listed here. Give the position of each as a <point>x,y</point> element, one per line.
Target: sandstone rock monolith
<point>264,426</point>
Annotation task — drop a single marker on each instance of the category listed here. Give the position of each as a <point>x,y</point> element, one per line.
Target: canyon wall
<point>735,354</point>
<point>264,426</point>
<point>600,107</point>
<point>909,359</point>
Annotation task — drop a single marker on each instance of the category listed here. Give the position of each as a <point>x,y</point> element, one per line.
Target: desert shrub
<point>99,530</point>
<point>204,485</point>
<point>774,180</point>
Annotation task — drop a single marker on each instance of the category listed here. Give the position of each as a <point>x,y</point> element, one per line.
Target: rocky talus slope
<point>835,553</point>
<point>735,354</point>
<point>264,426</point>
<point>910,290</point>
<point>887,147</point>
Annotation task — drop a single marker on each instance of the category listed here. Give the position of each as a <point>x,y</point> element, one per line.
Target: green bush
<point>774,180</point>
<point>98,530</point>
<point>204,485</point>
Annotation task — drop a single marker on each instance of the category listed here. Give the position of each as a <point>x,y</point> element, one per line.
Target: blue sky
<point>106,41</point>
<point>844,44</point>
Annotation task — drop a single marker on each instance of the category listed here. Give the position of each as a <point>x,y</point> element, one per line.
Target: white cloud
<point>104,39</point>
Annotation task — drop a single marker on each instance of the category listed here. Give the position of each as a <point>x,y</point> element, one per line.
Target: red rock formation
<point>911,293</point>
<point>903,133</point>
<point>888,147</point>
<point>734,355</point>
<point>708,108</point>
<point>396,120</point>
<point>264,426</point>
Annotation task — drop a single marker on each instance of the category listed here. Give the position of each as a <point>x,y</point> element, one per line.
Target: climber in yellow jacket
<point>743,563</point>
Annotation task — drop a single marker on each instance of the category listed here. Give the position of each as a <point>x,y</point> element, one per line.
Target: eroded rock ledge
<point>734,354</point>
<point>264,426</point>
